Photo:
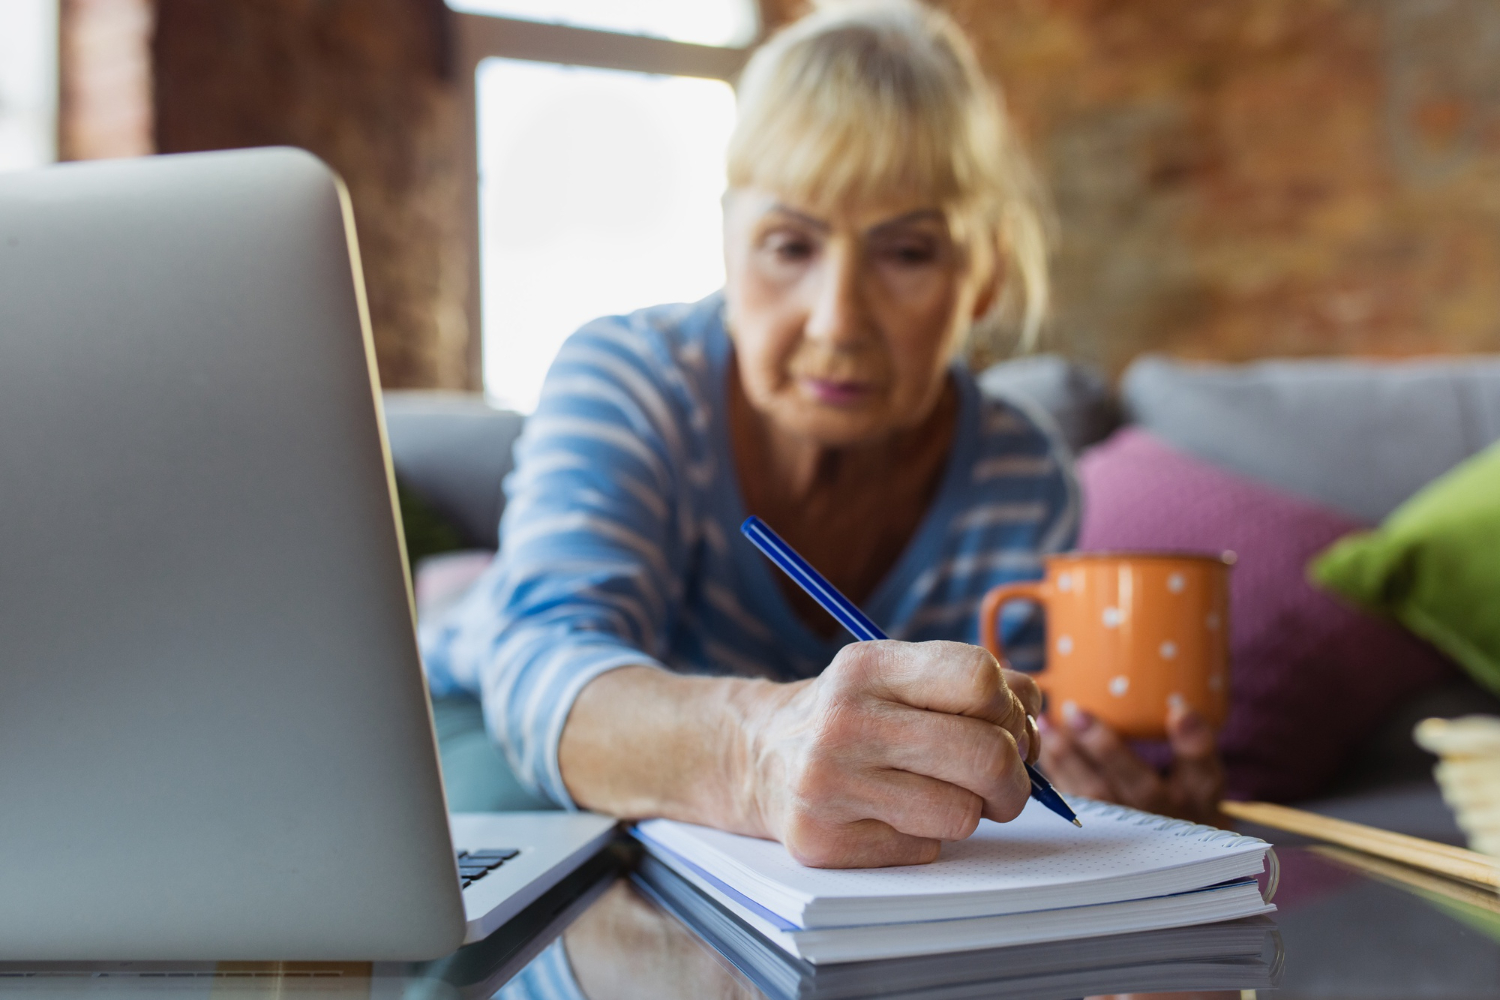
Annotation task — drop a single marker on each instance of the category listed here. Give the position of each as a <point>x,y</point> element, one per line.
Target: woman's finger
<point>1067,768</point>
<point>968,753</point>
<point>952,677</point>
<point>1197,772</point>
<point>914,804</point>
<point>818,842</point>
<point>1134,781</point>
<point>1188,732</point>
<point>1025,689</point>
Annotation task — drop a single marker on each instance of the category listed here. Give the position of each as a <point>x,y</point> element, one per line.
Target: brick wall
<point>1264,177</point>
<point>364,84</point>
<point>1233,180</point>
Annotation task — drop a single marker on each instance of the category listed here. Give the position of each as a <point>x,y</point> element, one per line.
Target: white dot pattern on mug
<point>1119,685</point>
<point>1113,617</point>
<point>1065,644</point>
<point>1215,683</point>
<point>1212,621</point>
<point>1176,583</point>
<point>1168,650</point>
<point>1064,582</point>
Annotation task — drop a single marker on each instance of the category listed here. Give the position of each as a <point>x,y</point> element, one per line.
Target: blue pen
<point>859,624</point>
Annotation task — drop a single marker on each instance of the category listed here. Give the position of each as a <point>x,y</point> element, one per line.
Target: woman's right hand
<point>893,749</point>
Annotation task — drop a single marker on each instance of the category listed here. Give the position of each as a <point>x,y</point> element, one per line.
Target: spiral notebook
<point>1033,879</point>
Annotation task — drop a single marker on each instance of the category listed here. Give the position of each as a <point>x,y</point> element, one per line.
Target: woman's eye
<point>913,253</point>
<point>791,249</point>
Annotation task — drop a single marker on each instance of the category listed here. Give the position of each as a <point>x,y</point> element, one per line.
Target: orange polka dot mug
<point>1126,632</point>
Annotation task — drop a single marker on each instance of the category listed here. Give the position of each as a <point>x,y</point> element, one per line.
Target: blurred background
<point>1233,180</point>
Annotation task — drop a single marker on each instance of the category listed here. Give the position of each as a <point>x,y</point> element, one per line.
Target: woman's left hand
<point>1083,756</point>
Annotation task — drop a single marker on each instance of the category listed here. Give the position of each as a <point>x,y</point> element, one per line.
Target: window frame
<point>484,36</point>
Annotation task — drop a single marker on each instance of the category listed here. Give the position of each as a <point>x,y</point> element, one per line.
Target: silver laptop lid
<point>215,740</point>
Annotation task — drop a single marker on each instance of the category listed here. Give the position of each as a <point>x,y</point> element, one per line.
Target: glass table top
<point>1347,926</point>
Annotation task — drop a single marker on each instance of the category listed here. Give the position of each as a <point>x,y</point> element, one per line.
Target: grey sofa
<point>1357,436</point>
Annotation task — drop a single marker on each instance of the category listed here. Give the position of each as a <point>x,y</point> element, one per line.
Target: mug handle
<point>989,614</point>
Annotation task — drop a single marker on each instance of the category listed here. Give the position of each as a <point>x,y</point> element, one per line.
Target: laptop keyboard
<point>475,865</point>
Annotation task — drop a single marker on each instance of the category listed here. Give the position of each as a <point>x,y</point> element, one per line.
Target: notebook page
<point>1035,862</point>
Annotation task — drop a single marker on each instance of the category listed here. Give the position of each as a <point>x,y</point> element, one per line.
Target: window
<point>594,200</point>
<point>705,22</point>
<point>28,83</point>
<point>599,166</point>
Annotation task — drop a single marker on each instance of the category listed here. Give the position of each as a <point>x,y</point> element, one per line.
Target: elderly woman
<point>634,655</point>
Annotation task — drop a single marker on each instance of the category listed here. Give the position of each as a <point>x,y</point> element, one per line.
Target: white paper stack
<point>1232,956</point>
<point>1033,879</point>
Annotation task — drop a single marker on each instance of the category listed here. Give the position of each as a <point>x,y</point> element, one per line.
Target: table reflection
<point>625,948</point>
<point>639,941</point>
<point>1346,927</point>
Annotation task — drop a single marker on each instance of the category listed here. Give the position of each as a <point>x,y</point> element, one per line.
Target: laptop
<point>215,737</point>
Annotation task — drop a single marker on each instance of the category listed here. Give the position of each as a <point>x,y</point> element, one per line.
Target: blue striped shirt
<point>620,543</point>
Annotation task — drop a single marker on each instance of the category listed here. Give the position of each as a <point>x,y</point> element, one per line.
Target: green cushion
<point>1434,565</point>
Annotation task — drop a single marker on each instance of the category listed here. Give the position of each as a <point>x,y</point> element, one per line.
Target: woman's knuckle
<point>820,845</point>
<point>838,671</point>
<point>979,675</point>
<point>1100,742</point>
<point>960,818</point>
<point>996,754</point>
<point>803,783</point>
<point>1025,689</point>
<point>854,669</point>
<point>1008,803</point>
<point>836,727</point>
<point>806,841</point>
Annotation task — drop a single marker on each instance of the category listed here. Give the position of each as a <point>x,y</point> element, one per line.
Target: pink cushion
<point>1310,677</point>
<point>443,579</point>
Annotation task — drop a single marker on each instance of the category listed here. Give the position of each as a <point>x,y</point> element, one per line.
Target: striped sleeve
<point>1020,505</point>
<point>589,573</point>
<point>1043,463</point>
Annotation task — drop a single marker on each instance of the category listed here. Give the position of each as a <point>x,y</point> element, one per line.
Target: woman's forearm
<point>643,742</point>
<point>893,749</point>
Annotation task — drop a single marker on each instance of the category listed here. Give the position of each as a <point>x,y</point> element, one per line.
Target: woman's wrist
<point>642,742</point>
<point>751,710</point>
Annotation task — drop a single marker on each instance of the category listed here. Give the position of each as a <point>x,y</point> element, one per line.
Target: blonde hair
<point>868,99</point>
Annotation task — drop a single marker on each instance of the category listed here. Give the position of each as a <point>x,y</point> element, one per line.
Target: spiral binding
<point>1182,828</point>
<point>1166,824</point>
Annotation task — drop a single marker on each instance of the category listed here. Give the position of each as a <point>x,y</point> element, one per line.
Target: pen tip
<point>1078,824</point>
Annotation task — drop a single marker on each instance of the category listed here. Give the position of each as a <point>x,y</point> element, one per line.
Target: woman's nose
<point>837,317</point>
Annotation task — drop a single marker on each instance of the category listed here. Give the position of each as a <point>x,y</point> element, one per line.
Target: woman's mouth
<point>836,392</point>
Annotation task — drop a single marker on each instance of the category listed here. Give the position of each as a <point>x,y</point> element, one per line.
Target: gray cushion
<point>1359,436</point>
<point>1075,395</point>
<point>455,450</point>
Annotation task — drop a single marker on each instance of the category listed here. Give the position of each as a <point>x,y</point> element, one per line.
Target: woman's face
<point>844,321</point>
